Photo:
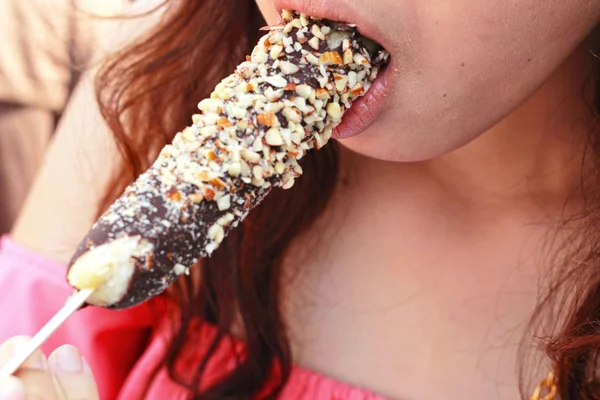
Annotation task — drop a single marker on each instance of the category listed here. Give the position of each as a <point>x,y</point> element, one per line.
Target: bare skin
<point>421,275</point>
<point>425,274</point>
<point>64,375</point>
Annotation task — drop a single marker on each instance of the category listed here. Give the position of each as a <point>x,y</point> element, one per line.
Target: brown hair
<point>148,92</point>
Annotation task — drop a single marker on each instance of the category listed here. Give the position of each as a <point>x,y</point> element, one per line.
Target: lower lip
<point>365,110</point>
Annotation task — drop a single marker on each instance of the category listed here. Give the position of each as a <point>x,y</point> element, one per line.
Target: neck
<point>447,249</point>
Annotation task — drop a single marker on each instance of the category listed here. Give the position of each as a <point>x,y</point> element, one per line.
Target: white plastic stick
<point>73,304</point>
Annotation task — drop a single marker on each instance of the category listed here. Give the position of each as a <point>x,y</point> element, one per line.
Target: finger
<point>13,346</point>
<point>11,389</point>
<point>34,373</point>
<point>73,374</point>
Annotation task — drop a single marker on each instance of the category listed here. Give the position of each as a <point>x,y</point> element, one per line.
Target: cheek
<point>465,68</point>
<point>268,11</point>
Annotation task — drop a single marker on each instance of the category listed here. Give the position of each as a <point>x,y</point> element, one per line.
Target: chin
<point>396,145</point>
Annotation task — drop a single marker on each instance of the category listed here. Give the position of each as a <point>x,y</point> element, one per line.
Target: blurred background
<point>46,47</point>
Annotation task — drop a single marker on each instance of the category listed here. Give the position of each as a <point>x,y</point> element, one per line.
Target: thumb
<point>11,388</point>
<point>73,374</point>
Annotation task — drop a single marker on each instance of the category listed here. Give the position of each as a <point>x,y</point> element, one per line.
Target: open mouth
<point>367,109</point>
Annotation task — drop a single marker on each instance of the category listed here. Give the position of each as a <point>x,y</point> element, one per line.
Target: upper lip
<point>334,10</point>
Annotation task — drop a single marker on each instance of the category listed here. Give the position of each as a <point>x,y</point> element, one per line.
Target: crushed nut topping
<point>247,138</point>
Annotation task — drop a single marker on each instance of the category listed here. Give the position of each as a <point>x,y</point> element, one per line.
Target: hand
<point>65,375</point>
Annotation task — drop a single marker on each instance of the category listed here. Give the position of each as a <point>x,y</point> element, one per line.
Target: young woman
<point>445,246</point>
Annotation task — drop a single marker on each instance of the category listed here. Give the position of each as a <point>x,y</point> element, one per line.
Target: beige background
<point>45,46</point>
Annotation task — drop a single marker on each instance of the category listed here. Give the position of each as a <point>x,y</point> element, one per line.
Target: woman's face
<point>458,66</point>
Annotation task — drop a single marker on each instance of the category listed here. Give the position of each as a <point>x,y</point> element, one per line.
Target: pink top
<point>124,347</point>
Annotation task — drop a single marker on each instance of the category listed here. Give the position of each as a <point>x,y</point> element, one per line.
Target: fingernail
<point>11,389</point>
<point>68,359</point>
<point>36,360</point>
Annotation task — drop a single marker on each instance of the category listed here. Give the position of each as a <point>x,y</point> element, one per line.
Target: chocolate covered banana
<point>247,139</point>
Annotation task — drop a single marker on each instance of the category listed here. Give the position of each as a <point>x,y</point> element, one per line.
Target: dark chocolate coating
<point>176,213</point>
<point>179,243</point>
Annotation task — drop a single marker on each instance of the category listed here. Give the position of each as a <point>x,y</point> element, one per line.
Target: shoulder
<point>111,25</point>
